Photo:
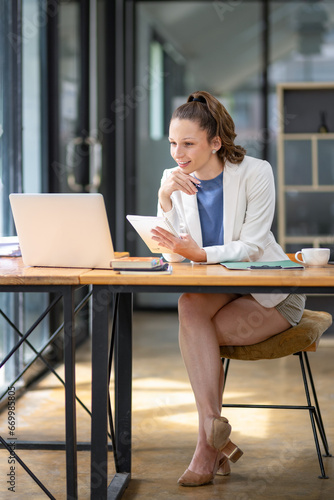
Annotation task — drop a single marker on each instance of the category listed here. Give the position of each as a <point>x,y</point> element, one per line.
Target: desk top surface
<point>188,274</point>
<point>14,272</point>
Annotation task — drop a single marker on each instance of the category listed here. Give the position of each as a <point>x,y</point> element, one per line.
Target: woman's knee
<point>186,304</point>
<point>191,301</point>
<point>190,306</point>
<point>190,316</point>
<point>205,305</point>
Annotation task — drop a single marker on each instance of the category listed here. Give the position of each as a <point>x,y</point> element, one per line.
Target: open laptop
<point>62,230</point>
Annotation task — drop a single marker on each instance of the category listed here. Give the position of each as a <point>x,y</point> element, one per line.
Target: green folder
<point>276,264</point>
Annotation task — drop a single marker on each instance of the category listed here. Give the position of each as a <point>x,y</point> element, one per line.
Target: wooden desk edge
<point>187,274</point>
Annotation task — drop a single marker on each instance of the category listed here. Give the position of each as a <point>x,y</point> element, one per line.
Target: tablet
<point>144,224</point>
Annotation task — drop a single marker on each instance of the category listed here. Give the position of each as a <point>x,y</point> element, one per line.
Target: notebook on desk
<point>63,230</point>
<point>277,264</point>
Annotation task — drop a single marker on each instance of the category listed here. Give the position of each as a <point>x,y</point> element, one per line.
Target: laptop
<point>63,230</point>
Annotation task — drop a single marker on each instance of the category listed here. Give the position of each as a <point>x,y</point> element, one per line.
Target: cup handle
<point>296,257</point>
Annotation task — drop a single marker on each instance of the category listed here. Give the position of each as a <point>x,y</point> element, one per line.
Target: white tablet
<point>144,224</point>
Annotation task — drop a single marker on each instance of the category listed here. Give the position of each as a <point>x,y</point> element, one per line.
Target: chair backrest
<point>303,337</point>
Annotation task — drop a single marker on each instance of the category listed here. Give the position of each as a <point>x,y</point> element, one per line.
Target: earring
<point>214,151</point>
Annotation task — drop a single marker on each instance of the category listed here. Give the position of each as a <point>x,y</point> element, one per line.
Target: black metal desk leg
<point>99,450</point>
<point>123,382</point>
<point>70,410</point>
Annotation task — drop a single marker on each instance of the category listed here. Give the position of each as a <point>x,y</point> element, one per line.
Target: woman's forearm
<point>165,201</point>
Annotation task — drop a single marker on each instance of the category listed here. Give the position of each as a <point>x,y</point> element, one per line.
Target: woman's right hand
<point>176,181</point>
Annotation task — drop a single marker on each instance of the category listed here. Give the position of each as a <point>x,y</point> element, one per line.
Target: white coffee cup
<point>315,257</point>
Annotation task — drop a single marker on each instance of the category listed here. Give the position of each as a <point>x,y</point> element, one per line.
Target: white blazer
<point>249,206</point>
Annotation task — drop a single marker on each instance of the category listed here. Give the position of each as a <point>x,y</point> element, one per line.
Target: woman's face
<point>191,150</point>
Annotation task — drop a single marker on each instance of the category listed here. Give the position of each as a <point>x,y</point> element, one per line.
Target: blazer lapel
<point>231,180</point>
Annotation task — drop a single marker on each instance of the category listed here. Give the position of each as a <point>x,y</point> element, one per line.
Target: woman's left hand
<point>185,245</point>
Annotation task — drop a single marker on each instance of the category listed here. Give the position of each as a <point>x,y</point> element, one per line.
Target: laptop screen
<point>62,230</point>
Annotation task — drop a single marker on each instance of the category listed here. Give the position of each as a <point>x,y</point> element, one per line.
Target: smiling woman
<point>222,203</point>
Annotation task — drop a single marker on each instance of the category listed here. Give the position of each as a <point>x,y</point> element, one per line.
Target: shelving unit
<point>305,165</point>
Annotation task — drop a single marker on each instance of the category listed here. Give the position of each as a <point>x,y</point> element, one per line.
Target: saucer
<point>315,265</point>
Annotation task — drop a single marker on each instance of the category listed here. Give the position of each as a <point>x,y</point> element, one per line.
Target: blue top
<point>210,207</point>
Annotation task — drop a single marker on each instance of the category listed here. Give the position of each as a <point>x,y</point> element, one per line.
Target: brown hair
<point>212,116</point>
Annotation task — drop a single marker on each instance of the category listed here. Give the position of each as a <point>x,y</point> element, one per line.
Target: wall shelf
<point>305,164</point>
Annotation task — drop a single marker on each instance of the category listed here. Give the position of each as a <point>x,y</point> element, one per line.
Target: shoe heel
<point>224,468</point>
<point>232,452</point>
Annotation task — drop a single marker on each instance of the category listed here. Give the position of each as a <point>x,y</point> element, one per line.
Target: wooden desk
<point>109,286</point>
<point>186,277</point>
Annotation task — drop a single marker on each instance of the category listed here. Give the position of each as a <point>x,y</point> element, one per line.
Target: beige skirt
<point>292,307</point>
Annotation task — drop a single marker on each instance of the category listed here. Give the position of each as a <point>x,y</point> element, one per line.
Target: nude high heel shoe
<point>219,439</point>
<point>190,478</point>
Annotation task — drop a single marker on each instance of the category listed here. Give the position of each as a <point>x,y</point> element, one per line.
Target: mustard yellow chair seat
<point>304,336</point>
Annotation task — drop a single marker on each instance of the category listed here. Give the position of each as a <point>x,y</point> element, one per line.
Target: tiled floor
<point>279,460</point>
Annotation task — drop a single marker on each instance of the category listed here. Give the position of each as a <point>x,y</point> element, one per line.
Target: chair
<point>298,340</point>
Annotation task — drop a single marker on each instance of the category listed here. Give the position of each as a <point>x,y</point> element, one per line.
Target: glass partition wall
<point>302,53</point>
<point>2,65</point>
<point>21,142</point>
<point>45,140</point>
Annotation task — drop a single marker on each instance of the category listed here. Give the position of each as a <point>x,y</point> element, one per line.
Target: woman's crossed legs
<point>208,321</point>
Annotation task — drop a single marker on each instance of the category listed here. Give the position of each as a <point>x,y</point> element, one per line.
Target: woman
<point>222,202</point>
